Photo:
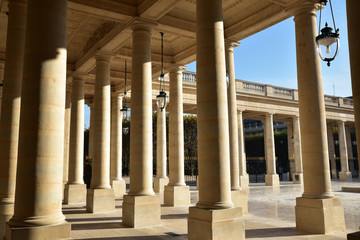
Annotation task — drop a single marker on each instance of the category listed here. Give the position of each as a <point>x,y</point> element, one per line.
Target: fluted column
<point>141,206</point>
<point>317,198</point>
<point>345,174</point>
<point>213,132</point>
<point>66,137</point>
<point>331,146</point>
<point>41,134</point>
<point>75,189</point>
<point>100,197</point>
<point>244,176</point>
<point>117,182</point>
<point>271,178</point>
<point>10,108</point>
<point>298,175</point>
<point>161,179</point>
<point>353,22</point>
<point>176,192</point>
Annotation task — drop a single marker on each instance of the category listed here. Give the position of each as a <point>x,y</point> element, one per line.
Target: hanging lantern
<point>327,43</point>
<point>125,110</point>
<point>162,98</point>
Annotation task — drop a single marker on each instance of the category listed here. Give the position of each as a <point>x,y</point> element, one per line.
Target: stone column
<point>100,197</point>
<point>349,149</point>
<point>214,216</point>
<point>298,175</point>
<point>317,198</point>
<point>75,189</point>
<point>117,182</point>
<point>37,213</point>
<point>244,177</point>
<point>271,177</point>
<point>141,207</point>
<point>353,22</point>
<point>10,108</point>
<point>91,129</point>
<point>331,146</point>
<point>176,192</point>
<point>2,66</point>
<point>291,152</point>
<point>66,138</point>
<point>161,179</point>
<point>345,174</point>
<point>238,196</point>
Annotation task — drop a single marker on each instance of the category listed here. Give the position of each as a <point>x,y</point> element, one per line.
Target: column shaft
<point>349,142</point>
<point>101,148</point>
<point>353,22</point>
<point>67,137</point>
<point>344,175</point>
<point>141,113</point>
<point>232,110</point>
<point>176,129</point>
<point>41,135</point>
<point>116,138</point>
<point>76,154</point>
<point>313,121</point>
<point>330,135</point>
<point>213,124</point>
<point>298,177</point>
<point>269,145</point>
<point>91,129</point>
<point>10,108</point>
<point>244,177</point>
<point>161,144</point>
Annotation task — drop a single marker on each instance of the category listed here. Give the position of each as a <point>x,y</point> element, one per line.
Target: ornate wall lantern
<point>327,42</point>
<point>162,98</point>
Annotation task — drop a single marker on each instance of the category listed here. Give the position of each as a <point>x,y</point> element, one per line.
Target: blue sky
<point>269,57</point>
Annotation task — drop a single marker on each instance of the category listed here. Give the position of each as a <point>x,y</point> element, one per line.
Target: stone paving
<point>271,216</point>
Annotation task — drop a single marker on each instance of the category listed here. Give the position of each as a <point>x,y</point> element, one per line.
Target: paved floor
<point>271,216</point>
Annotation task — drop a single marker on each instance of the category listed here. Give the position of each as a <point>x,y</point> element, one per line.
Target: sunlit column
<point>141,207</point>
<point>345,174</point>
<point>11,75</point>
<point>244,176</point>
<point>117,182</point>
<point>176,192</point>
<point>66,136</point>
<point>41,134</point>
<point>331,146</point>
<point>349,148</point>
<point>317,198</point>
<point>100,197</point>
<point>214,212</point>
<point>75,189</point>
<point>271,177</point>
<point>91,128</point>
<point>298,175</point>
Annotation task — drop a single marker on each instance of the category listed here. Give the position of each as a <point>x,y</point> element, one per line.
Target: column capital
<point>78,75</point>
<point>102,55</point>
<point>308,6</point>
<point>231,45</point>
<point>142,24</point>
<point>175,68</point>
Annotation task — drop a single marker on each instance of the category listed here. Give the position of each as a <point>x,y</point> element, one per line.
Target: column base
<point>160,183</point>
<point>176,196</point>
<point>298,178</point>
<point>205,224</point>
<point>272,180</point>
<point>353,236</point>
<point>6,212</point>
<point>100,200</point>
<point>240,200</point>
<point>141,211</point>
<point>319,216</point>
<point>119,187</point>
<point>244,181</point>
<point>75,194</point>
<point>345,176</point>
<point>58,231</point>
